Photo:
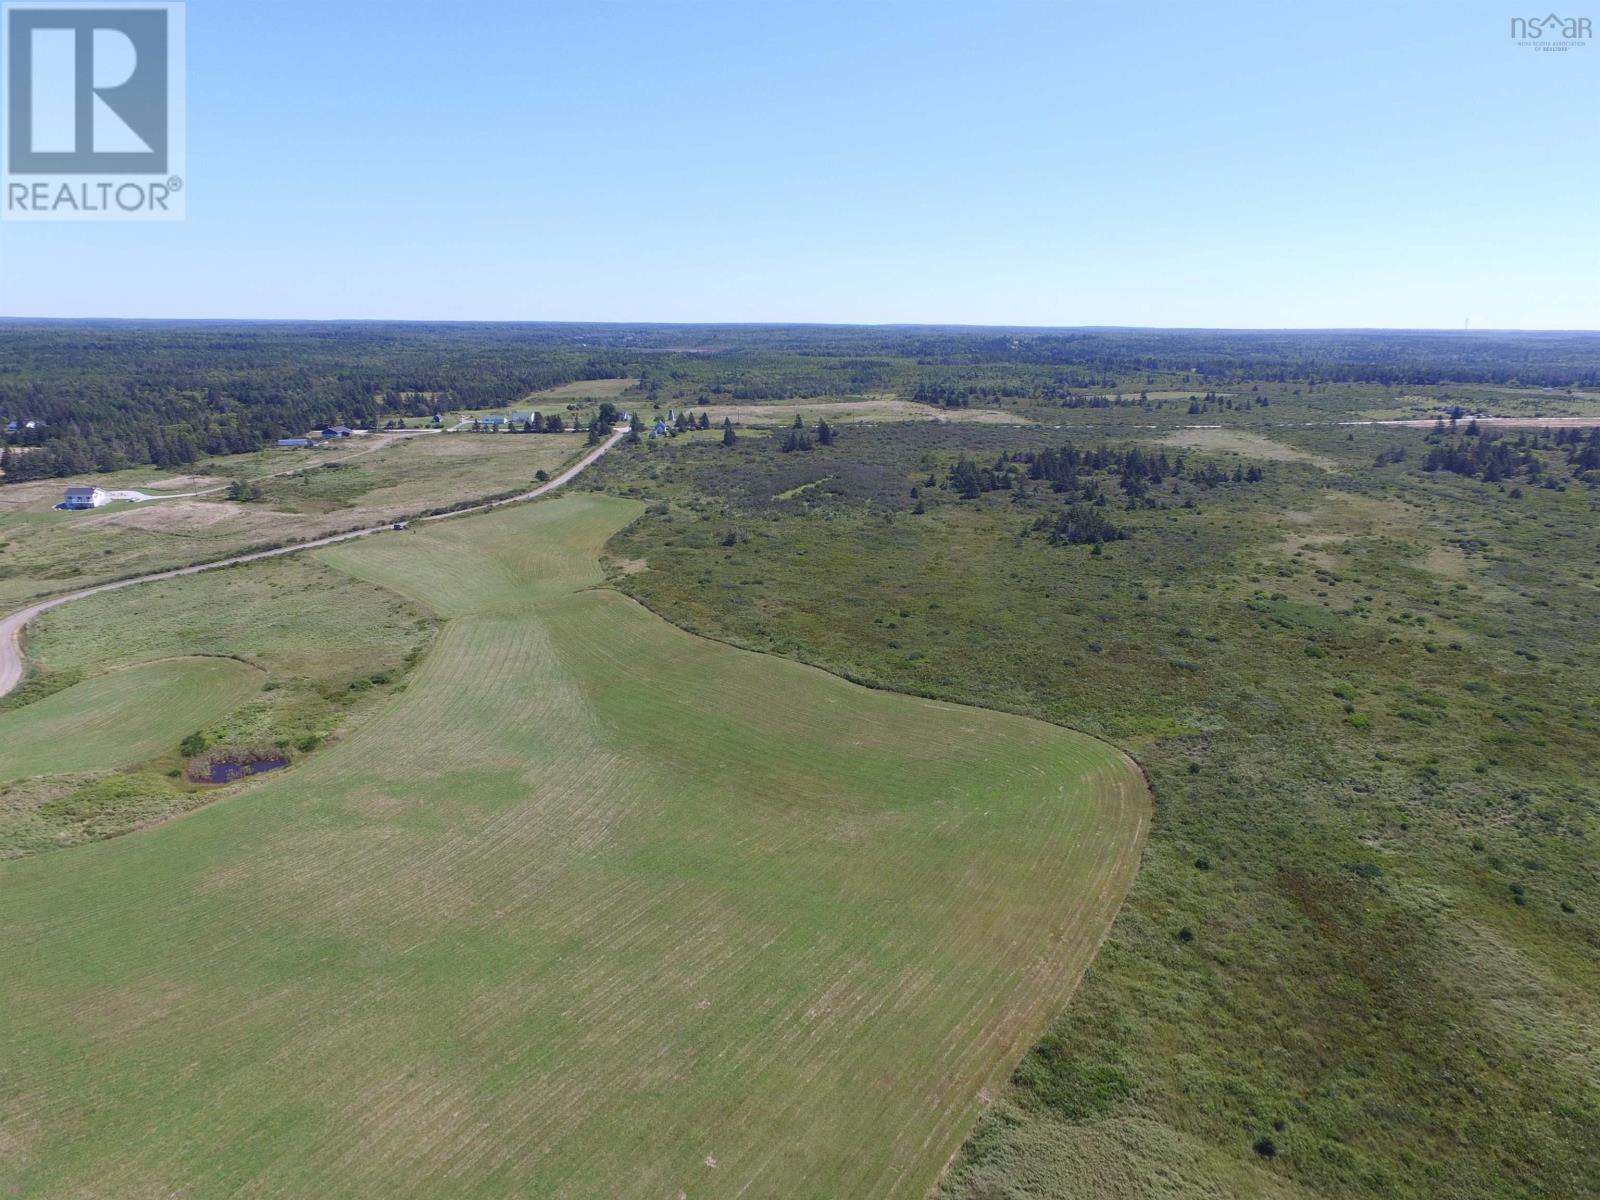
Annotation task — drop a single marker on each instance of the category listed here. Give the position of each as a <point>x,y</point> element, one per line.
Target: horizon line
<point>779,324</point>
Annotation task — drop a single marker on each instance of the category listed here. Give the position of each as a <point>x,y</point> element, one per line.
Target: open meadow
<point>1359,956</point>
<point>554,898</point>
<point>121,717</point>
<point>292,495</point>
<point>582,389</point>
<point>867,408</point>
<point>282,655</point>
<point>593,907</point>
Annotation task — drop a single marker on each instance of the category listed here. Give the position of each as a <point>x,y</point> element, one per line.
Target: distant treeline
<point>101,397</point>
<point>1102,355</point>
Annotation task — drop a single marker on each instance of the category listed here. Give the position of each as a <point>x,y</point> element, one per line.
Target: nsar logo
<point>94,112</point>
<point>1551,32</point>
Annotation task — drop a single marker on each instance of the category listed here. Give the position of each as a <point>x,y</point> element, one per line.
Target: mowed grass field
<point>304,493</point>
<point>593,908</point>
<point>121,717</point>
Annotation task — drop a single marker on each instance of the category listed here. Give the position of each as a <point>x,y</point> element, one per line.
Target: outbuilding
<point>289,443</point>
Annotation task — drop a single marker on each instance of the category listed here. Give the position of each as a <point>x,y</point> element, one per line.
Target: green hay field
<point>122,717</point>
<point>594,908</point>
<point>325,491</point>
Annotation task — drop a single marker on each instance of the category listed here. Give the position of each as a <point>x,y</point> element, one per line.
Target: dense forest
<point>98,396</point>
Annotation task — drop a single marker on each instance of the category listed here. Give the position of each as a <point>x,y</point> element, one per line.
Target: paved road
<point>11,627</point>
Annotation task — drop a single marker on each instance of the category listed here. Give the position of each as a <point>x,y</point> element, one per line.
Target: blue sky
<point>1068,163</point>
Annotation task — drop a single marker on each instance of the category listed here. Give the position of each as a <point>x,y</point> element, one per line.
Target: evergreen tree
<point>965,479</point>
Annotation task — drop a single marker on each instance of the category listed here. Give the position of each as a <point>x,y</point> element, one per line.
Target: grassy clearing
<point>583,389</point>
<point>37,496</point>
<point>846,411</point>
<point>1502,401</point>
<point>121,717</point>
<point>320,646</point>
<point>594,908</point>
<point>47,552</point>
<point>1241,443</point>
<point>1363,934</point>
<point>420,472</point>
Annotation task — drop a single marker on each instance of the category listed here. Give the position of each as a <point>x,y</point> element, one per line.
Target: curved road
<point>11,627</point>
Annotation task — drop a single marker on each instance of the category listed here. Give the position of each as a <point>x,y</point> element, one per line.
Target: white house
<point>85,497</point>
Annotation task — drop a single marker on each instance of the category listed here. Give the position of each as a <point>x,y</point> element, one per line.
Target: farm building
<point>492,422</point>
<point>288,443</point>
<point>337,431</point>
<point>85,497</point>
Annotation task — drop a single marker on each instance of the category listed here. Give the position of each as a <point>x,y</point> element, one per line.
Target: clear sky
<point>1343,163</point>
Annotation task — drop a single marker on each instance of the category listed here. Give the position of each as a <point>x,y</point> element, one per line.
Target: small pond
<point>226,771</point>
